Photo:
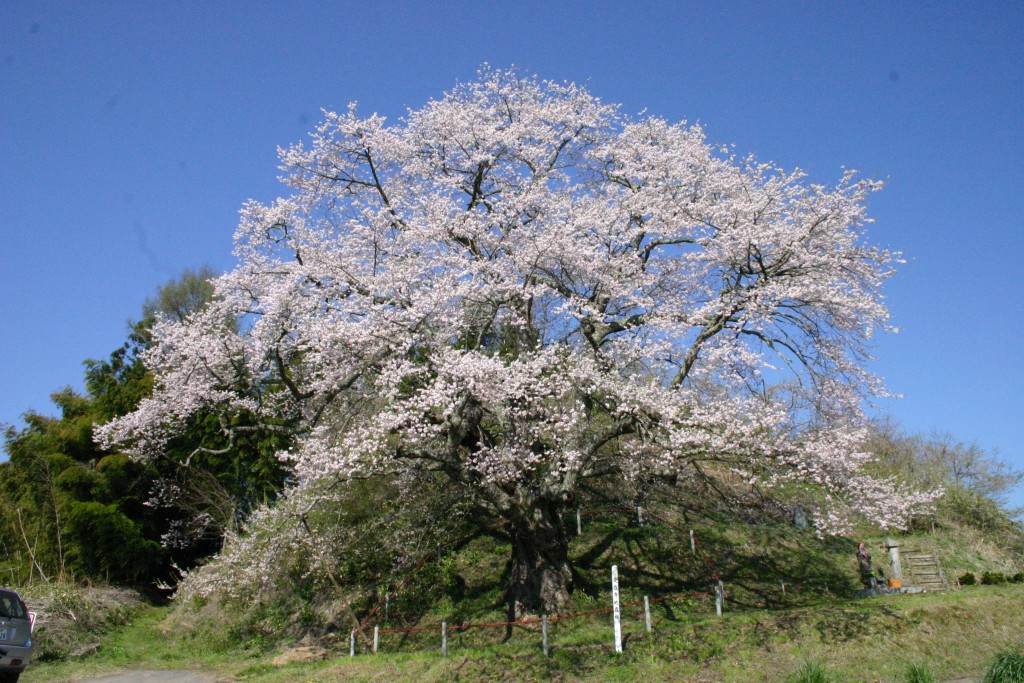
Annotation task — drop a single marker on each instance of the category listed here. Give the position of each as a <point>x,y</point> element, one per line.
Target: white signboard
<point>616,615</point>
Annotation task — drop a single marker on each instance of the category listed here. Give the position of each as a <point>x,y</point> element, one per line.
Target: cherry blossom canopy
<point>523,288</point>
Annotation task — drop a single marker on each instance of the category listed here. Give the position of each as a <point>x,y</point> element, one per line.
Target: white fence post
<point>444,638</point>
<point>693,543</point>
<point>376,638</point>
<point>352,644</point>
<point>647,613</point>
<point>579,523</point>
<point>544,634</point>
<point>616,614</point>
<point>719,598</point>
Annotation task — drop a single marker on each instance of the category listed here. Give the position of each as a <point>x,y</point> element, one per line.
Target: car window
<point>10,606</point>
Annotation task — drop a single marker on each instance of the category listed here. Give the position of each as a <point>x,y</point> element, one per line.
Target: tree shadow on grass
<point>763,565</point>
<point>777,566</point>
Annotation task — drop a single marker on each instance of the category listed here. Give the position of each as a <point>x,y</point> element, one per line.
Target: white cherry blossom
<point>523,288</point>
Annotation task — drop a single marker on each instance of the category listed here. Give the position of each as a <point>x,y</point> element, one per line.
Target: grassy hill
<point>954,635</point>
<point>789,603</point>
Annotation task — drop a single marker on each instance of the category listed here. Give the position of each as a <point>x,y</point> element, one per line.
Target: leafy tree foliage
<point>72,508</point>
<point>181,297</point>
<point>523,290</point>
<point>55,477</point>
<point>104,542</point>
<point>975,482</point>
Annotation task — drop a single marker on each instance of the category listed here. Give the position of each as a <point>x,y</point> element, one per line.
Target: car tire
<point>10,676</point>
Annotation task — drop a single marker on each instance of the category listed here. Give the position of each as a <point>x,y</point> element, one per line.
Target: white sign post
<point>616,614</point>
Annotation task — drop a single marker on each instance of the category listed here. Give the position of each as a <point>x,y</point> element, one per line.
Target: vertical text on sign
<point>616,614</point>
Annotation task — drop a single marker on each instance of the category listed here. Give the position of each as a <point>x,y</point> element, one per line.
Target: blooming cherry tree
<point>523,289</point>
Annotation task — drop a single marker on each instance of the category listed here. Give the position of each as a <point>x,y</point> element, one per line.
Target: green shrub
<point>811,672</point>
<point>968,579</point>
<point>960,506</point>
<point>918,673</point>
<point>992,578</point>
<point>103,541</point>
<point>1005,668</point>
<point>1017,578</point>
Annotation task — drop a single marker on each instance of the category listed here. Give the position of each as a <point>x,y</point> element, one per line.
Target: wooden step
<point>923,570</point>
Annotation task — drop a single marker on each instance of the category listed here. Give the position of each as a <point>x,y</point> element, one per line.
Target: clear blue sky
<point>131,133</point>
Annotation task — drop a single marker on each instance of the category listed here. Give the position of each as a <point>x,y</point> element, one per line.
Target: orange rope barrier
<point>526,622</point>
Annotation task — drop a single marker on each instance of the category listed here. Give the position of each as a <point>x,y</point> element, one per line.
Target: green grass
<point>918,673</point>
<point>836,640</point>
<point>144,643</point>
<point>1006,668</point>
<point>811,672</point>
<point>767,633</point>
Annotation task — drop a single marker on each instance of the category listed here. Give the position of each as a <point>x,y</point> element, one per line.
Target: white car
<point>16,624</point>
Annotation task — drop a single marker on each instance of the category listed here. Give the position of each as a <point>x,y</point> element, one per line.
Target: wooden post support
<point>616,613</point>
<point>693,543</point>
<point>444,638</point>
<point>376,638</point>
<point>647,613</point>
<point>544,634</point>
<point>352,644</point>
<point>579,523</point>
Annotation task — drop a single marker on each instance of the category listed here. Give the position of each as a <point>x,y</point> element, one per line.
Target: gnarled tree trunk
<point>540,580</point>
